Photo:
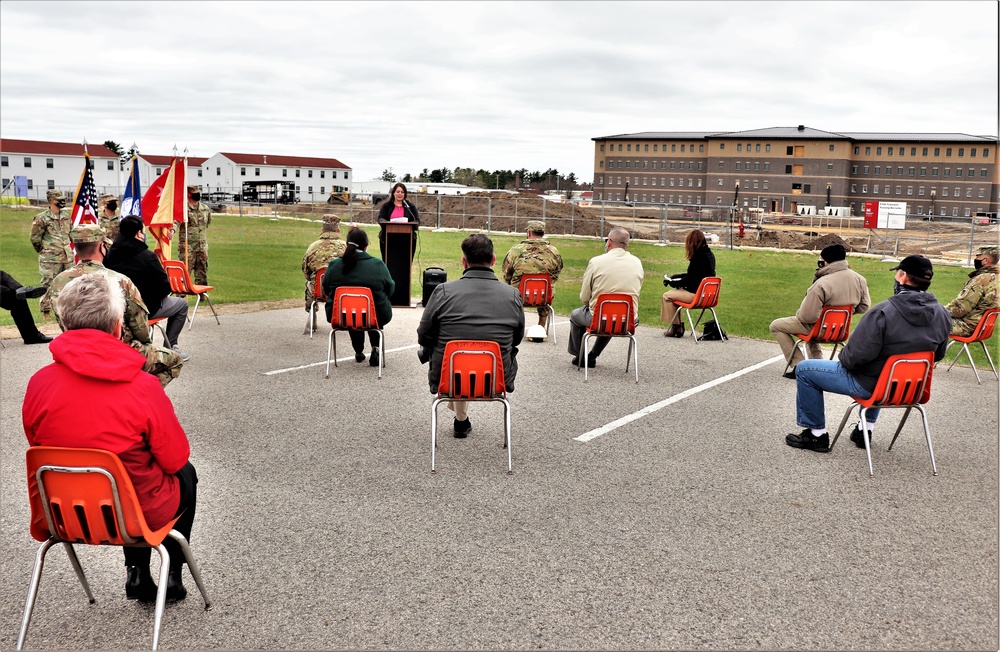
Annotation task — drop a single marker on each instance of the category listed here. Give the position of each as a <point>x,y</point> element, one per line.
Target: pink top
<point>397,214</point>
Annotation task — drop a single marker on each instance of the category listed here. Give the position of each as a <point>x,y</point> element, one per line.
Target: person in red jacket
<point>96,395</point>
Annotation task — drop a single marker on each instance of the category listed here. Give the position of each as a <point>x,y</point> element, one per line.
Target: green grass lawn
<point>259,259</point>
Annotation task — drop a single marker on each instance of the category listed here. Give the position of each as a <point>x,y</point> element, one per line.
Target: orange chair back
<point>353,309</point>
<point>984,329</point>
<point>613,315</point>
<point>707,295</point>
<point>318,293</point>
<point>472,369</point>
<point>905,380</point>
<point>833,326</point>
<point>85,495</point>
<point>179,277</point>
<point>536,290</point>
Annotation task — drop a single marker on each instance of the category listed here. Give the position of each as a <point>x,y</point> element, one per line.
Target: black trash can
<point>433,277</point>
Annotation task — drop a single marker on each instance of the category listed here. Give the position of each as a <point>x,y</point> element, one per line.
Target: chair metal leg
<point>551,325</point>
<point>330,345</point>
<point>843,421</point>
<point>691,323</point>
<point>633,355</point>
<point>214,314</point>
<point>192,565</point>
<point>381,352</point>
<point>310,316</point>
<point>434,409</point>
<point>989,358</point>
<point>29,602</point>
<point>868,439</point>
<point>899,428</point>
<point>161,593</point>
<point>507,444</point>
<point>75,562</point>
<point>725,338</point>
<point>194,313</point>
<point>586,355</point>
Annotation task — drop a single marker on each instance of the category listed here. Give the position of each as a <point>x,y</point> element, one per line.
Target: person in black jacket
<point>701,265</point>
<point>397,209</point>
<point>130,256</point>
<point>12,298</point>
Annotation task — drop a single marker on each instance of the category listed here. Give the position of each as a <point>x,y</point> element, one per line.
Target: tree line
<point>521,179</point>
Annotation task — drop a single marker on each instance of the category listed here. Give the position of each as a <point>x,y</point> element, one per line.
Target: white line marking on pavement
<point>318,364</point>
<point>617,423</point>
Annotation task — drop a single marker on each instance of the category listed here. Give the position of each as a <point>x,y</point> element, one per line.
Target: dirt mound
<point>825,241</point>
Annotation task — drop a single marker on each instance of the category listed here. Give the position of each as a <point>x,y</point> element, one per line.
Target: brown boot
<point>543,319</point>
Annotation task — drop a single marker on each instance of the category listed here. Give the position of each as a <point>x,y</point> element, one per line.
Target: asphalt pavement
<point>667,514</point>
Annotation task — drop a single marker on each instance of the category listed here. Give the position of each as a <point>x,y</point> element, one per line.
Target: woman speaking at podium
<point>398,210</point>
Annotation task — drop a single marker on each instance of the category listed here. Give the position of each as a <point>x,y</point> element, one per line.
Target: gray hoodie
<point>907,322</point>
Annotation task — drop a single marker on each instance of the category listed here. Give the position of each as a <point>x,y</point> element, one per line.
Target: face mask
<point>112,205</point>
<point>61,203</point>
<point>196,196</point>
<point>978,264</point>
<point>897,287</point>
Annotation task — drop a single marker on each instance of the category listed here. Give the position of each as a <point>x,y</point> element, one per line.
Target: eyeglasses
<point>820,263</point>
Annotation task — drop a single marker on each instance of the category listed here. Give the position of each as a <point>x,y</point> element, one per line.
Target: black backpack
<point>712,332</point>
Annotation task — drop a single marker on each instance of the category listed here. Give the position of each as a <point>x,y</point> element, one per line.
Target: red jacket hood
<point>97,354</point>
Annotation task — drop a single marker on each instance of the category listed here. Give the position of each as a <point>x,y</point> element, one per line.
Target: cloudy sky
<point>494,85</point>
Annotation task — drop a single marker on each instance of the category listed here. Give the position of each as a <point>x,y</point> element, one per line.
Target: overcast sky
<point>494,85</point>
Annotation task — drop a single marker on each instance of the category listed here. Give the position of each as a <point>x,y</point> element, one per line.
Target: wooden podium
<point>398,258</point>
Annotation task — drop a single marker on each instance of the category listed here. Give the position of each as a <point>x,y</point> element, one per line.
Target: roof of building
<point>15,146</point>
<point>289,161</point>
<point>801,131</point>
<point>156,159</point>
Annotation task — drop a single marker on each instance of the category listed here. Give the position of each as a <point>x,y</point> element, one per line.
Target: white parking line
<point>318,364</point>
<point>617,423</point>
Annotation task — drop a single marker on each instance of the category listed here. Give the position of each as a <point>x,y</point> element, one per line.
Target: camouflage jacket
<point>136,328</point>
<point>532,256</point>
<point>50,236</point>
<point>109,224</point>
<point>199,218</point>
<point>320,253</point>
<point>978,295</point>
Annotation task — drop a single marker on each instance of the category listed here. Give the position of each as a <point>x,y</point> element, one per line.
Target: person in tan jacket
<point>834,284</point>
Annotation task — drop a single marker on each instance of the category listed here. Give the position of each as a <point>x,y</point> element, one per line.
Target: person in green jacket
<point>355,268</point>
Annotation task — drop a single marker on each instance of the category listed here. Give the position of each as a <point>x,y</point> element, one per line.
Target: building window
<point>968,192</point>
<point>218,172</point>
<point>961,151</point>
<point>322,174</point>
<point>947,172</point>
<point>868,151</point>
<point>924,152</point>
<point>920,191</point>
<point>4,163</point>
<point>298,173</point>
<point>722,146</point>
<point>628,148</point>
<point>628,164</point>
<point>857,150</point>
<point>738,166</point>
<point>720,182</point>
<point>602,147</point>
<point>646,147</point>
<point>765,185</point>
<point>159,171</point>
<point>739,148</point>
<point>256,172</point>
<point>864,189</point>
<point>947,151</point>
<point>890,152</point>
<point>243,171</point>
<point>656,148</point>
<point>27,161</point>
<point>333,174</point>
<point>673,147</point>
<point>854,188</point>
<point>199,171</point>
<point>722,165</point>
<point>911,172</point>
<point>767,166</point>
<point>934,172</point>
<point>619,147</point>
<point>913,151</point>
<point>875,189</point>
<point>284,172</point>
<point>982,173</point>
<point>944,192</point>
<point>829,166</point>
<point>51,184</point>
<point>854,169</point>
<point>701,148</point>
<point>31,184</point>
<point>49,164</point>
<point>878,151</point>
<point>682,148</point>
<point>878,170</point>
<point>788,169</point>
<point>111,166</point>
<point>899,190</point>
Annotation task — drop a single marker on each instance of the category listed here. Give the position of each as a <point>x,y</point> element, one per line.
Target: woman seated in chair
<point>701,265</point>
<point>358,269</point>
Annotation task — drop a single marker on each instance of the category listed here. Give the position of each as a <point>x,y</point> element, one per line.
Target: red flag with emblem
<point>163,205</point>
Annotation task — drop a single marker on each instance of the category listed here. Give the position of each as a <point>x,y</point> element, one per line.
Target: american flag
<point>85,203</point>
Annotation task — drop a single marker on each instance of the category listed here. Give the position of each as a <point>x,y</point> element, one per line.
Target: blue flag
<point>132,199</point>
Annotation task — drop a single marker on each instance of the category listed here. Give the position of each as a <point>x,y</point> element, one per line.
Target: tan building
<point>790,169</point>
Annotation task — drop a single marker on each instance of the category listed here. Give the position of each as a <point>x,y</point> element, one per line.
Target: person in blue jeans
<point>909,321</point>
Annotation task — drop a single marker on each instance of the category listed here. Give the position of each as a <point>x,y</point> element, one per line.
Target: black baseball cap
<point>917,267</point>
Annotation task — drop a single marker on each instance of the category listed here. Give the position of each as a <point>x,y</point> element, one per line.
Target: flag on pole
<point>85,200</point>
<point>164,204</point>
<point>132,199</point>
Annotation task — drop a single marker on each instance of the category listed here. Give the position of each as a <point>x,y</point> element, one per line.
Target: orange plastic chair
<point>85,496</point>
<point>706,298</point>
<point>181,284</point>
<point>983,332</point>
<point>155,322</point>
<point>319,297</point>
<point>471,370</point>
<point>614,316</point>
<point>537,292</point>
<point>832,327</point>
<point>353,310</point>
<point>905,382</point>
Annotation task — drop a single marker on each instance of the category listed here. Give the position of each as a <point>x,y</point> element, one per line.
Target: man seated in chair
<point>475,307</point>
<point>978,295</point>
<point>834,284</point>
<point>614,271</point>
<point>910,321</point>
<point>533,256</point>
<point>318,256</point>
<point>96,395</point>
<point>162,362</point>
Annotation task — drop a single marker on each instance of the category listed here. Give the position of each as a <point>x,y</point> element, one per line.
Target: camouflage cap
<point>54,194</point>
<point>194,188</point>
<point>992,250</point>
<point>536,226</point>
<point>332,220</point>
<point>83,233</point>
<point>104,199</point>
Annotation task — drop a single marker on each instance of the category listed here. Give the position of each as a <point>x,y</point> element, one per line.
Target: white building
<point>153,165</point>
<point>56,166</point>
<point>314,178</point>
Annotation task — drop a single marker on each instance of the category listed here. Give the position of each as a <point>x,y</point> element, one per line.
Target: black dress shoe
<point>175,587</point>
<point>26,292</point>
<point>858,437</point>
<point>789,374</point>
<point>139,584</point>
<point>39,338</point>
<point>809,441</point>
<point>373,357</point>
<point>359,356</point>
<point>462,428</point>
<point>591,362</point>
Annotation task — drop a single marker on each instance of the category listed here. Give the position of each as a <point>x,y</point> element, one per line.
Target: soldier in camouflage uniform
<point>318,256</point>
<point>50,238</point>
<point>161,362</point>
<point>194,249</point>
<point>108,217</point>
<point>978,295</point>
<point>533,256</point>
